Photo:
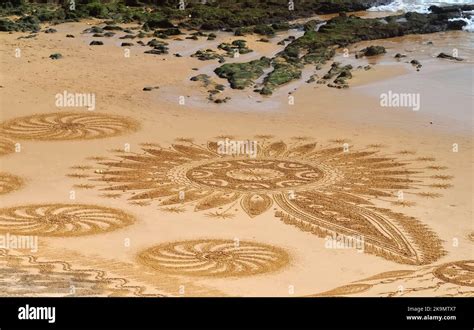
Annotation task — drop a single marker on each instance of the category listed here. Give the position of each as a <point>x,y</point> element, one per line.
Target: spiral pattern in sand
<point>214,258</point>
<point>67,126</point>
<point>61,219</point>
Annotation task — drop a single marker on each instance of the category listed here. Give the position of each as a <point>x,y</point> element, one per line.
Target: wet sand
<point>30,83</point>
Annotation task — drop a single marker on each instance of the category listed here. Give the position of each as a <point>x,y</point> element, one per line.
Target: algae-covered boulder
<point>241,75</point>
<point>282,73</point>
<point>371,51</point>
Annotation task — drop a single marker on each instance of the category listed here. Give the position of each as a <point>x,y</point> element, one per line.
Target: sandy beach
<point>435,143</point>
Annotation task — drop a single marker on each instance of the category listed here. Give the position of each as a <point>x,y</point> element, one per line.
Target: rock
<point>109,34</point>
<point>112,28</point>
<point>7,25</point>
<point>266,91</point>
<point>94,29</point>
<point>155,23</point>
<point>241,75</point>
<point>449,57</point>
<point>450,9</point>
<point>69,36</point>
<point>220,87</point>
<point>97,35</point>
<point>96,43</point>
<point>156,43</point>
<point>398,55</point>
<point>206,55</point>
<point>178,55</point>
<point>204,78</point>
<point>128,36</point>
<point>126,44</point>
<point>456,25</point>
<point>169,32</point>
<point>149,88</point>
<point>312,78</point>
<point>50,30</point>
<point>23,24</point>
<point>224,100</point>
<point>237,46</point>
<point>263,40</point>
<point>416,64</point>
<point>55,56</point>
<point>371,51</point>
<point>140,43</point>
<point>156,51</point>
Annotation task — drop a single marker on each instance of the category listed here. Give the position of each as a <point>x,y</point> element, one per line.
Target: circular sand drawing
<point>9,183</point>
<point>251,175</point>
<point>214,258</point>
<point>61,219</point>
<point>67,126</point>
<point>326,189</point>
<point>458,272</point>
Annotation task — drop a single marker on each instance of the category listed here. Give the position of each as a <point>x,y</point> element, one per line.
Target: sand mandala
<point>61,219</point>
<point>9,183</point>
<point>452,279</point>
<point>214,258</point>
<point>325,189</point>
<point>67,126</point>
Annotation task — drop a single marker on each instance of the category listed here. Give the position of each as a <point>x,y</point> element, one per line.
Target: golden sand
<point>133,133</point>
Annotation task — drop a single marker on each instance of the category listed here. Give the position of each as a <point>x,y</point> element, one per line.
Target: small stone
<point>449,57</point>
<point>55,56</point>
<point>398,55</point>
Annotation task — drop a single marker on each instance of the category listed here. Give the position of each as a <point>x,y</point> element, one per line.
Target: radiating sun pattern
<point>214,258</point>
<point>325,189</point>
<point>67,126</point>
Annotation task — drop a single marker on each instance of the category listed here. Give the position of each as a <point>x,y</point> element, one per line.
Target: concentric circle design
<point>249,175</point>
<point>458,272</point>
<point>9,183</point>
<point>67,126</point>
<point>61,219</point>
<point>214,258</point>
